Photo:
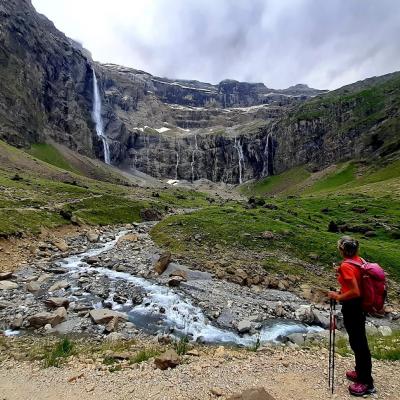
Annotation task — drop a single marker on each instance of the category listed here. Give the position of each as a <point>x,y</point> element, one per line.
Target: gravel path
<point>286,374</point>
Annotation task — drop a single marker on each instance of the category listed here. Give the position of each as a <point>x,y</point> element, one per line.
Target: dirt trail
<point>286,374</point>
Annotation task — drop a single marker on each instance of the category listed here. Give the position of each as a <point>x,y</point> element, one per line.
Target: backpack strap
<point>353,262</point>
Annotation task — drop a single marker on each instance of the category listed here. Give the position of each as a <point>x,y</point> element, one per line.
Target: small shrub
<point>144,355</point>
<point>54,357</point>
<point>256,345</point>
<point>181,346</point>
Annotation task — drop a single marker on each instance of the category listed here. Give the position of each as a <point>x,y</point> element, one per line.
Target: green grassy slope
<point>365,206</point>
<point>35,194</point>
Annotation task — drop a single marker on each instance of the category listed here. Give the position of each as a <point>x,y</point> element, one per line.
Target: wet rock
<point>8,285</point>
<point>252,394</point>
<point>92,260</point>
<point>297,338</point>
<point>321,318</point>
<point>103,316</point>
<point>33,287</point>
<point>169,359</point>
<point>179,273</point>
<point>56,302</point>
<point>244,326</point>
<point>175,281</point>
<point>163,262</point>
<point>16,323</point>
<point>5,275</point>
<point>59,285</point>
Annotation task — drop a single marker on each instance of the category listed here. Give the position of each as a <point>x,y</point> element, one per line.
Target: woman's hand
<point>333,295</point>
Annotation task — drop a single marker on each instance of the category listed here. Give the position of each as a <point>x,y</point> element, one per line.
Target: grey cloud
<point>325,44</point>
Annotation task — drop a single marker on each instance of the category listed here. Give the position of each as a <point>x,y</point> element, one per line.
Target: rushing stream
<point>180,317</point>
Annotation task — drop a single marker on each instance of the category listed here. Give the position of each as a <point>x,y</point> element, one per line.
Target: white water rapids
<point>98,120</point>
<point>180,314</point>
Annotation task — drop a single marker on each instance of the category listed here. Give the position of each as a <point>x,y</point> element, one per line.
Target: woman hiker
<point>349,278</point>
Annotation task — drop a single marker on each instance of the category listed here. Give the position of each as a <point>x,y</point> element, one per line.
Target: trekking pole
<point>333,344</point>
<point>330,342</point>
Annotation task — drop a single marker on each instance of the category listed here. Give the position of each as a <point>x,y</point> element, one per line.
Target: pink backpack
<point>373,286</point>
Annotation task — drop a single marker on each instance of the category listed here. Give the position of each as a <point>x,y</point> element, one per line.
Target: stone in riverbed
<point>59,285</point>
<point>55,302</point>
<point>163,262</point>
<point>175,281</point>
<point>169,359</point>
<point>33,287</point>
<point>102,315</point>
<point>93,237</point>
<point>61,245</point>
<point>43,318</point>
<point>8,285</point>
<point>244,326</point>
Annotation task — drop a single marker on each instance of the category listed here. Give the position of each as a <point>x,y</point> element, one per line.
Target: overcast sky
<point>324,43</point>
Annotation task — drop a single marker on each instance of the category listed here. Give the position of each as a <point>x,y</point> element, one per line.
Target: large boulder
<point>305,314</point>
<point>169,359</point>
<point>252,394</point>
<point>44,318</point>
<point>244,326</point>
<point>103,316</point>
<point>92,237</point>
<point>33,287</point>
<point>162,263</point>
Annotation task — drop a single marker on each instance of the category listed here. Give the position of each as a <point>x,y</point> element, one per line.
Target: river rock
<point>43,318</point>
<point>244,326</point>
<point>16,323</point>
<point>175,281</point>
<point>305,314</point>
<point>8,285</point>
<point>33,287</point>
<point>169,359</point>
<point>93,237</point>
<point>5,275</point>
<point>297,338</point>
<point>4,304</point>
<point>163,262</point>
<point>59,285</point>
<point>61,245</point>
<point>112,325</point>
<point>103,316</point>
<point>321,318</point>
<point>56,302</point>
<point>252,394</point>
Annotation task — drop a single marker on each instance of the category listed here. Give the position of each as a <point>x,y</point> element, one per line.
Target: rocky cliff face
<point>45,83</point>
<point>230,132</point>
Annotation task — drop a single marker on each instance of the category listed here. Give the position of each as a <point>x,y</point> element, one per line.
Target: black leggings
<point>354,322</point>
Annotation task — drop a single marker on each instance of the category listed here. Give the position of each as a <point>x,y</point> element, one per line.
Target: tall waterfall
<point>239,149</point>
<point>268,166</point>
<point>96,115</point>
<point>196,148</point>
<point>177,162</point>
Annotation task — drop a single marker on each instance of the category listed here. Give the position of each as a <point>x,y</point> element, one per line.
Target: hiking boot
<point>361,389</point>
<point>352,376</point>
